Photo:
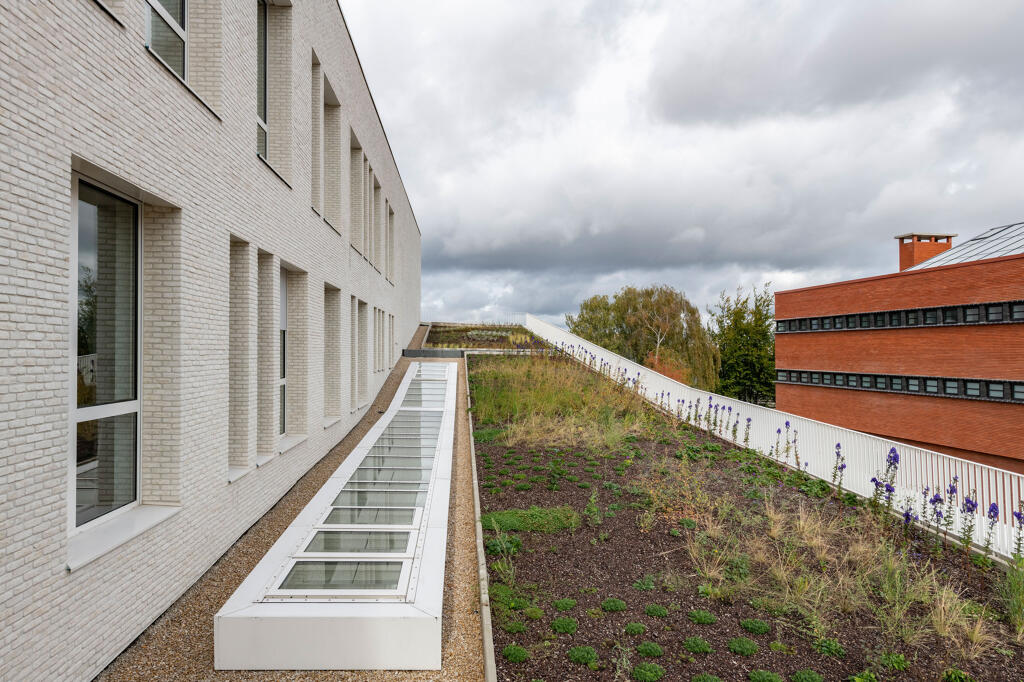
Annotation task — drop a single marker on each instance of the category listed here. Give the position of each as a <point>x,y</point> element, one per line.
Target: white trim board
<point>262,627</point>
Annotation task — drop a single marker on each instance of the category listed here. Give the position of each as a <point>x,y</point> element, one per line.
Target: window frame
<point>282,380</point>
<point>179,30</point>
<point>262,6</point>
<point>78,414</point>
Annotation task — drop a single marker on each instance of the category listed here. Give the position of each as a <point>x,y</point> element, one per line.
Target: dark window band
<point>1006,312</point>
<point>945,387</point>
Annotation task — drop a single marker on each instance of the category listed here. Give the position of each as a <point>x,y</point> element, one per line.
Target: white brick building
<point>208,264</point>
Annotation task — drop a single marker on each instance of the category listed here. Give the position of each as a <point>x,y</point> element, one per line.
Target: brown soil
<point>596,562</point>
<point>482,336</point>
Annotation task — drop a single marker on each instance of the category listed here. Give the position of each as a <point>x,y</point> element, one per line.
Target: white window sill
<point>289,442</point>
<point>261,461</point>
<point>235,473</point>
<point>104,537</point>
<point>331,421</point>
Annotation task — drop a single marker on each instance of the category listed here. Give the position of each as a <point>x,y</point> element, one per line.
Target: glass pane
<point>399,451</point>
<point>371,515</point>
<point>379,498</point>
<point>382,474</point>
<point>343,575</point>
<point>105,466</point>
<point>358,541</point>
<point>261,67</point>
<point>283,404</point>
<point>176,8</point>
<point>384,485</point>
<point>408,462</point>
<point>261,141</point>
<point>107,297</point>
<point>166,43</point>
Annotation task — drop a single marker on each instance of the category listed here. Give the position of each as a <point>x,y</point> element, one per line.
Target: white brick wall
<point>78,90</point>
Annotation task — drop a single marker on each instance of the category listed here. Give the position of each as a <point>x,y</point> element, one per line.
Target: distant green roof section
<point>1007,240</point>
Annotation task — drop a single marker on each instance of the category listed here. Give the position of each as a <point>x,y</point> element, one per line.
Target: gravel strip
<point>179,645</point>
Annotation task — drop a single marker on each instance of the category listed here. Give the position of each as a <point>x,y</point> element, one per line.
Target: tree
<point>656,326</point>
<point>743,328</point>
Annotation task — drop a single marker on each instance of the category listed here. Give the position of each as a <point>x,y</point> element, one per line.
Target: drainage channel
<point>356,581</point>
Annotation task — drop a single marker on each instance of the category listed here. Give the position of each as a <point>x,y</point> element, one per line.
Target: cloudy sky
<point>557,149</point>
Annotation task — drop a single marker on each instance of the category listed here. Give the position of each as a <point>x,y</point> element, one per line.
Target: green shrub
<point>648,672</point>
<point>656,611</point>
<point>514,653</point>
<point>582,655</point>
<point>956,675</point>
<point>536,519</point>
<point>758,627</point>
<point>764,676</point>
<point>1011,595</point>
<point>612,604</point>
<point>705,677</point>
<point>564,604</point>
<point>807,675</point>
<point>487,435</point>
<point>503,544</point>
<point>649,650</point>
<point>645,584</point>
<point>866,676</point>
<point>827,646</point>
<point>701,617</point>
<point>697,645</point>
<point>522,486</point>
<point>514,627</point>
<point>894,661</point>
<point>741,646</point>
<point>533,613</point>
<point>689,524</point>
<point>635,628</point>
<point>564,626</point>
<point>675,532</point>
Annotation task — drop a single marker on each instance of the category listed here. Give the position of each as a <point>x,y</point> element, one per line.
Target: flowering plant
<point>838,468</point>
<point>746,434</point>
<point>967,520</point>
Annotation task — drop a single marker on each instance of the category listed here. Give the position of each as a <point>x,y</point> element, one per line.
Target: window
<point>880,383</point>
<point>282,383</point>
<point>865,381</point>
<point>931,385</point>
<point>840,380</point>
<point>995,390</point>
<point>1017,312</point>
<point>972,314</point>
<point>794,325</point>
<point>913,384</point>
<point>897,383</point>
<point>851,321</point>
<point>951,386</point>
<point>804,377</point>
<point>949,316</point>
<point>894,319</point>
<point>1018,391</point>
<point>826,323</point>
<point>781,375</point>
<point>994,313</point>
<point>879,319</point>
<point>931,316</point>
<point>826,379</point>
<point>105,312</point>
<point>261,78</point>
<point>838,322</point>
<point>972,388</point>
<point>865,320</point>
<point>167,36</point>
<point>815,378</point>
<point>913,317</point>
<point>780,326</point>
<point>815,323</point>
<point>803,325</point>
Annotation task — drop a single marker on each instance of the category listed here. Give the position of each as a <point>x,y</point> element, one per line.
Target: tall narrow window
<point>261,78</point>
<point>167,35</point>
<point>283,381</point>
<point>353,351</point>
<point>106,408</point>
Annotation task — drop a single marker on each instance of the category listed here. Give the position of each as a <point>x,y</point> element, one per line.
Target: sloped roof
<point>1007,240</point>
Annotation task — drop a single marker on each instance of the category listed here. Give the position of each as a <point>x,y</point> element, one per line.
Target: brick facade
<point>83,94</point>
<point>983,430</point>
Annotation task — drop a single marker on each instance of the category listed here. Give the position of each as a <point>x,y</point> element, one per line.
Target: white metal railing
<point>773,433</point>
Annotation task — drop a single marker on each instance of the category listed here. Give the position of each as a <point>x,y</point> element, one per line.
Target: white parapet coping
<point>278,619</point>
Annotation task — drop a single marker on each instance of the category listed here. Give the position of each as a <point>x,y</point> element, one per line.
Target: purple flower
<point>748,420</point>
<point>892,460</point>
<point>787,424</point>
<point>970,506</point>
<point>842,467</point>
<point>936,500</point>
<point>778,430</point>
<point>993,512</point>
<point>1019,515</point>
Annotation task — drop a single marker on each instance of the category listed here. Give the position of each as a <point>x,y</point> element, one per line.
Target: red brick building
<point>931,356</point>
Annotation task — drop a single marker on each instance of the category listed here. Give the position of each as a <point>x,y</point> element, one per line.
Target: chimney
<point>917,247</point>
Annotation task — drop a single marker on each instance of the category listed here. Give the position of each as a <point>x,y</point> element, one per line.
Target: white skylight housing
<point>355,582</point>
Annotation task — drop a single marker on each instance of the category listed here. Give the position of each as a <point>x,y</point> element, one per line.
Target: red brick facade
<point>983,430</point>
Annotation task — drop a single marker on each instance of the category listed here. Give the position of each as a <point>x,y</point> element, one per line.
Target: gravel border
<point>179,644</point>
